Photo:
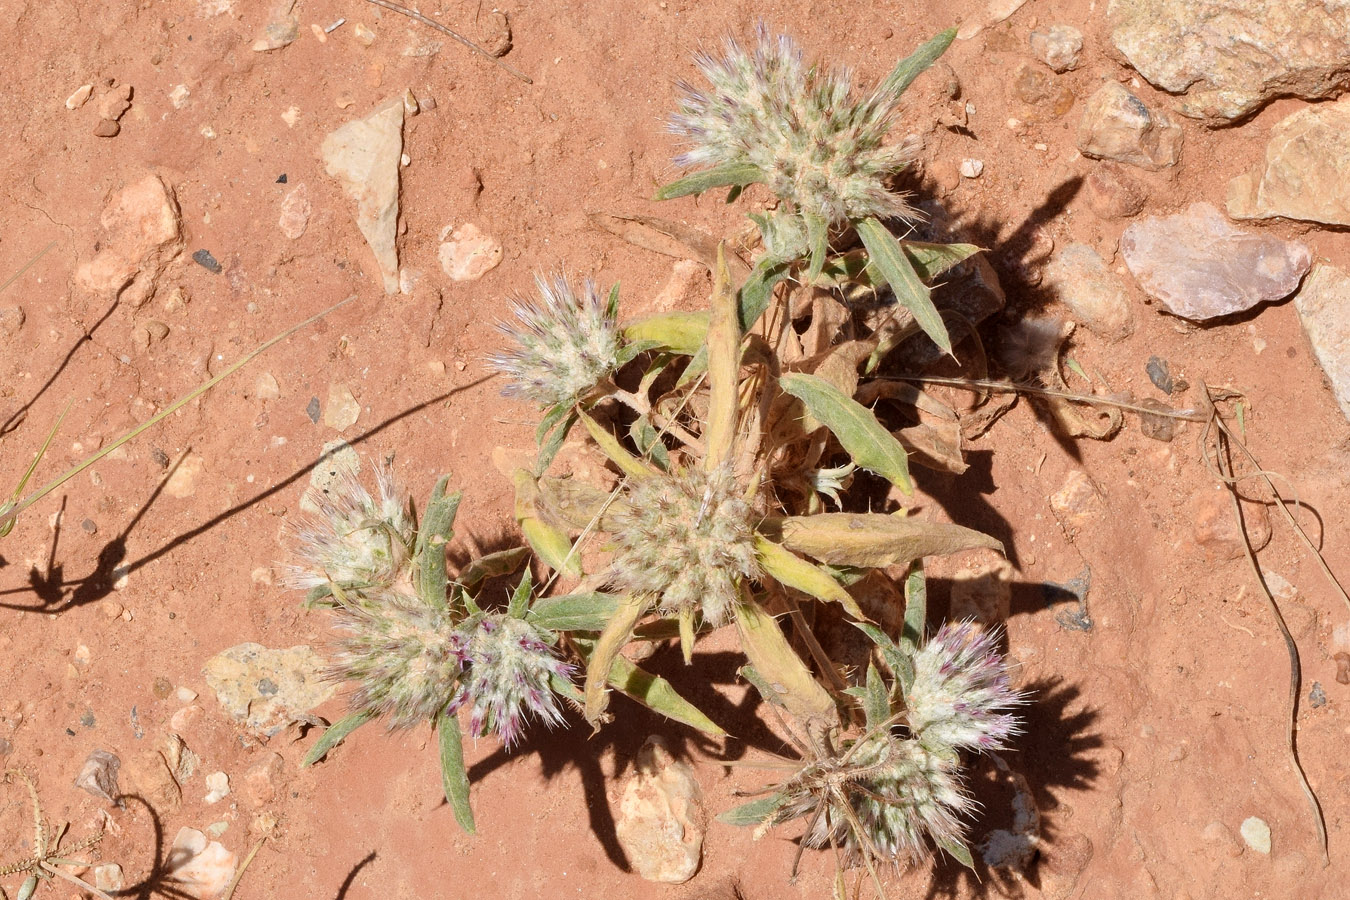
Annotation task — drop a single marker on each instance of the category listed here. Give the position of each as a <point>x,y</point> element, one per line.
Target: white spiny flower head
<point>961,694</point>
<point>819,148</point>
<point>565,344</point>
<point>403,657</point>
<point>686,538</point>
<point>353,539</point>
<point>508,668</point>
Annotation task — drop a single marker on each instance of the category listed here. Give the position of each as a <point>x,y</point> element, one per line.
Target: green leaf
<point>648,441</point>
<point>575,612</point>
<point>877,705</point>
<point>758,290</point>
<point>494,565</point>
<point>756,812</point>
<point>890,262</point>
<point>631,350</point>
<point>864,439</point>
<point>520,597</point>
<point>333,735</point>
<point>874,539</point>
<point>605,654</point>
<point>959,851</point>
<point>549,449</point>
<point>725,175</point>
<point>801,575</point>
<point>931,260</point>
<point>454,777</point>
<point>900,661</point>
<point>552,417</point>
<point>610,446</point>
<point>818,239</point>
<point>916,607</point>
<point>678,332</point>
<point>909,68</point>
<point>549,542</point>
<point>657,694</point>
<point>435,532</point>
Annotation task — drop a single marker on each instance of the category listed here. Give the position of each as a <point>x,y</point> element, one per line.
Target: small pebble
<point>204,259</point>
<point>89,527</point>
<point>162,688</point>
<point>217,787</point>
<point>1342,667</point>
<point>1256,833</point>
<point>312,410</point>
<point>1317,698</point>
<point>186,694</point>
<point>363,35</point>
<point>111,609</point>
<point>281,179</point>
<point>972,168</point>
<point>107,128</point>
<point>1158,374</point>
<point>80,97</point>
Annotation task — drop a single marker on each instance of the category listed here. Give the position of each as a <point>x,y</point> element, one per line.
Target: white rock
<point>199,868</point>
<point>295,212</point>
<point>661,818</point>
<point>179,96</point>
<point>342,409</point>
<point>1058,46</point>
<point>1324,308</point>
<point>972,168</point>
<point>1256,833</point>
<point>108,878</point>
<point>80,97</point>
<point>217,787</point>
<point>364,157</point>
<point>469,254</point>
<point>1306,170</point>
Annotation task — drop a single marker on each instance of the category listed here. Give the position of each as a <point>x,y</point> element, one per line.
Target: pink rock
<point>470,254</point>
<point>295,212</point>
<point>1200,267</point>
<point>1117,125</point>
<point>142,234</point>
<point>199,868</point>
<point>263,778</point>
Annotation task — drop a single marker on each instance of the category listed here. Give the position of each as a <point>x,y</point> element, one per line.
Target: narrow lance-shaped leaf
<point>909,68</point>
<point>900,661</point>
<point>454,777</point>
<point>860,434</point>
<point>725,175</point>
<point>607,647</point>
<point>549,448</point>
<point>493,565</point>
<point>548,541</point>
<point>931,260</point>
<point>916,607</point>
<point>791,685</point>
<point>678,332</point>
<point>435,532</point>
<point>877,706</point>
<point>797,573</point>
<point>609,444</point>
<point>334,734</point>
<point>754,812</point>
<point>575,612</point>
<point>652,691</point>
<point>724,363</point>
<point>959,851</point>
<point>818,239</point>
<point>757,291</point>
<point>891,264</point>
<point>520,597</point>
<point>874,539</point>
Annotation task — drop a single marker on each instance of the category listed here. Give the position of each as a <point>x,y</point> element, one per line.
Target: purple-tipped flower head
<point>961,694</point>
<point>508,667</point>
<point>353,538</point>
<point>687,539</point>
<point>818,148</point>
<point>564,345</point>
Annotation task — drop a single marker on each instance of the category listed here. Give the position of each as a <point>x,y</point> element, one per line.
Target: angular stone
<point>11,320</point>
<point>113,104</point>
<point>263,779</point>
<point>1306,171</point>
<point>1200,267</point>
<point>1117,125</point>
<point>364,157</point>
<point>98,775</point>
<point>108,878</point>
<point>1215,530</point>
<point>469,254</point>
<point>199,868</point>
<point>1080,280</point>
<point>265,689</point>
<point>1256,834</point>
<point>1112,194</point>
<point>1040,96</point>
<point>295,212</point>
<point>661,818</point>
<point>342,409</point>
<point>142,235</point>
<point>282,28</point>
<point>1230,56</point>
<point>1058,46</point>
<point>1324,308</point>
<point>1078,500</point>
<point>148,777</point>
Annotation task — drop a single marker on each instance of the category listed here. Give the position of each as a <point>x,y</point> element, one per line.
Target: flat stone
<point>1215,530</point>
<point>342,409</point>
<point>295,212</point>
<point>1200,267</point>
<point>107,128</point>
<point>469,254</point>
<point>1080,280</point>
<point>149,777</point>
<point>1078,500</point>
<point>1058,46</point>
<point>661,818</point>
<point>1256,834</point>
<point>108,877</point>
<point>200,868</point>
<point>80,97</point>
<point>11,320</point>
<point>364,157</point>
<point>265,387</point>
<point>282,28</point>
<point>1117,125</point>
<point>142,233</point>
<point>1324,308</point>
<point>1039,96</point>
<point>1306,170</point>
<point>1112,194</point>
<point>183,482</point>
<point>98,775</point>
<point>265,689</point>
<point>1228,57</point>
<point>217,787</point>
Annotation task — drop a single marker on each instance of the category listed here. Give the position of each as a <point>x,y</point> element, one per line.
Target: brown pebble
<point>1342,667</point>
<point>162,688</point>
<point>111,609</point>
<point>107,128</point>
<point>1112,194</point>
<point>1160,428</point>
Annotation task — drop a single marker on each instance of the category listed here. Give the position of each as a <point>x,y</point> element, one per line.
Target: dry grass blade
<point>414,14</point>
<point>1223,441</point>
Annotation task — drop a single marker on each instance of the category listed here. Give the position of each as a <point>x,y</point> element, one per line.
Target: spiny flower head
<point>565,345</point>
<point>403,656</point>
<point>687,539</point>
<point>508,666</point>
<point>353,539</point>
<point>817,147</point>
<point>961,692</point>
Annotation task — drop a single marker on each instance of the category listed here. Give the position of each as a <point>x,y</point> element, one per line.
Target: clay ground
<point>1168,715</point>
